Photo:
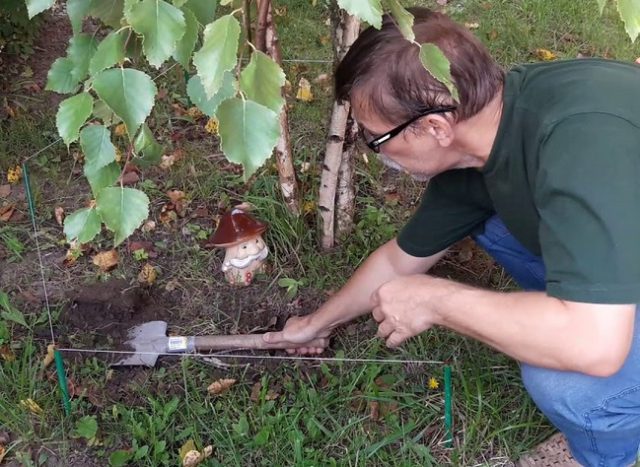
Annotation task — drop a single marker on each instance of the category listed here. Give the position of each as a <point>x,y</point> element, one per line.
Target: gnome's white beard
<point>241,263</point>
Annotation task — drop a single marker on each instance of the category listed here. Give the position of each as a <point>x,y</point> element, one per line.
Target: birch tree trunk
<point>267,41</point>
<point>337,204</point>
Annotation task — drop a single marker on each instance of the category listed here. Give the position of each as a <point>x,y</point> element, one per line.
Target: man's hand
<point>299,330</point>
<point>405,307</point>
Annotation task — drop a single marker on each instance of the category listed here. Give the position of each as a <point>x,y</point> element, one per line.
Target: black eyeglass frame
<point>375,144</point>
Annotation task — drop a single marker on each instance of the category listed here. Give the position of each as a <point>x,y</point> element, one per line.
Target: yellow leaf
<point>309,206</point>
<point>118,156</point>
<point>106,260</point>
<point>147,275</point>
<point>48,359</point>
<point>189,445</point>
<point>120,130</point>
<point>14,175</point>
<point>281,11</point>
<point>433,383</point>
<point>221,386</point>
<point>194,112</point>
<point>7,354</point>
<point>212,126</point>
<point>304,91</point>
<point>32,406</point>
<point>545,55</point>
<point>59,215</point>
<point>3,452</point>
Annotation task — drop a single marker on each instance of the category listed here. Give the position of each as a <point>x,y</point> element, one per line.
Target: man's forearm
<point>530,326</point>
<point>354,299</point>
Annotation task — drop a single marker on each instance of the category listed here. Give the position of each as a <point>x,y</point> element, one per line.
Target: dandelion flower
<point>433,383</point>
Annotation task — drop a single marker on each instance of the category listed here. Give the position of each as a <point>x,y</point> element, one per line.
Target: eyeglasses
<point>375,144</point>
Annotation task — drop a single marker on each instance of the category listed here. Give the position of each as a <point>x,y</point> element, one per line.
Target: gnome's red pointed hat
<point>236,226</point>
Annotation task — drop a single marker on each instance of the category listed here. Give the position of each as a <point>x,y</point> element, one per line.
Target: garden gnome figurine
<point>246,251</point>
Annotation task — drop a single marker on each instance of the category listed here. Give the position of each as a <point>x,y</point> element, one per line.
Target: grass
<point>303,413</point>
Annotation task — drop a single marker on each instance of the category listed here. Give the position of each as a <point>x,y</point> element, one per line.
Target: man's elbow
<point>604,362</point>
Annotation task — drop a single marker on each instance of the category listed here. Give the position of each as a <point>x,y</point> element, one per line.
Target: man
<point>541,167</point>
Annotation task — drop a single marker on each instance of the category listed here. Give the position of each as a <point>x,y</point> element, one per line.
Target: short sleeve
<point>588,198</point>
<point>454,205</point>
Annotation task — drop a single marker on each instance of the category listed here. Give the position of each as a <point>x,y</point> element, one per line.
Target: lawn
<point>353,408</point>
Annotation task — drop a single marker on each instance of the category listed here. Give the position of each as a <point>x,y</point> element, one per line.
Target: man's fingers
<point>395,339</point>
<point>385,328</point>
<point>273,337</point>
<point>377,314</point>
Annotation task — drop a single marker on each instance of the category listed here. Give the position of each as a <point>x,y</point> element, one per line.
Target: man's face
<point>243,254</point>
<point>423,150</point>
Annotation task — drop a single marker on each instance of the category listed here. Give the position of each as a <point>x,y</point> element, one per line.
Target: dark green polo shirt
<point>564,176</point>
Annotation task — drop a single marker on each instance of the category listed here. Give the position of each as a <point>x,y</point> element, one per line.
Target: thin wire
<point>41,150</point>
<point>260,357</point>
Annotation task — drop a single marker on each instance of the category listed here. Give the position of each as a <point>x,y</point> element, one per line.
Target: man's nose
<point>253,248</point>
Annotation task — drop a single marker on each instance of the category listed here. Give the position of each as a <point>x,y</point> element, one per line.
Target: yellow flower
<point>433,383</point>
<point>194,112</point>
<point>120,130</point>
<point>14,175</point>
<point>212,126</point>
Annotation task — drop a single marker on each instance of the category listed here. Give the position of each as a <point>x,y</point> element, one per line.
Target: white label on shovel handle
<point>177,344</point>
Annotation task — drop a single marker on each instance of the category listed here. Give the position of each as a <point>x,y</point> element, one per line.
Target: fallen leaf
<point>3,452</point>
<point>177,198</point>
<point>6,212</point>
<point>146,246</point>
<point>129,178</point>
<point>147,275</point>
<point>281,11</point>
<point>472,25</point>
<point>172,285</point>
<point>188,446</point>
<point>201,212</point>
<point>106,260</point>
<point>168,214</point>
<point>14,175</point>
<point>148,226</point>
<point>304,93</point>
<point>324,39</point>
<point>120,130</point>
<point>175,195</point>
<point>59,215</point>
<point>194,112</point>
<point>221,386</point>
<point>32,406</point>
<point>493,35</point>
<point>49,358</point>
<point>288,87</point>
<point>191,459</point>
<point>255,392</point>
<point>212,126</point>
<point>5,191</point>
<point>6,353</point>
<point>545,55</point>
<point>178,109</point>
<point>309,206</point>
<point>73,253</point>
<point>374,410</point>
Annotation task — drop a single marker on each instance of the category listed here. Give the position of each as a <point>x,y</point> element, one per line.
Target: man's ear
<point>440,128</point>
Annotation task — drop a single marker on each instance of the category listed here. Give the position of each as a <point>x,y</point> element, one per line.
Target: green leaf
<point>630,13</point>
<point>119,458</point>
<point>248,133</point>
<point>110,12</point>
<point>147,148</point>
<point>129,93</point>
<point>403,18</point>
<point>196,93</point>
<point>262,81</point>
<point>81,49</point>
<point>10,313</point>
<point>83,225</point>
<point>184,48</point>
<point>218,52</point>
<point>367,10</point>
<point>38,6</point>
<point>161,25</point>
<point>60,78</point>
<point>87,427</point>
<point>437,64</point>
<point>109,52</point>
<point>205,10</point>
<point>103,177</point>
<point>601,4</point>
<point>122,210</point>
<point>104,113</point>
<point>72,114</point>
<point>97,147</point>
<point>77,10</point>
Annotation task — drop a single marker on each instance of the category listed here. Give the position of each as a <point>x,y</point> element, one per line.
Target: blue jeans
<point>599,416</point>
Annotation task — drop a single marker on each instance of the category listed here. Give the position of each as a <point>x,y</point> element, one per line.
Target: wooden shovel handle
<point>246,341</point>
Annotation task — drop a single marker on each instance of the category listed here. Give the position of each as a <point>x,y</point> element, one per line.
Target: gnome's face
<point>242,260</point>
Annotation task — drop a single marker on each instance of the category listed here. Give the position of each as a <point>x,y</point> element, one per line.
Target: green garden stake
<point>62,382</point>
<point>27,189</point>
<point>448,419</point>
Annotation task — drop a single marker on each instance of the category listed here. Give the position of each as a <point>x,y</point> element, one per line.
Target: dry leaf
<point>166,162</point>
<point>255,392</point>
<point>14,175</point>
<point>221,386</point>
<point>288,88</point>
<point>73,253</point>
<point>212,126</point>
<point>201,212</point>
<point>168,214</point>
<point>172,285</point>
<point>59,214</point>
<point>191,459</point>
<point>143,245</point>
<point>304,91</point>
<point>374,410</point>
<point>5,191</point>
<point>3,452</point>
<point>493,35</point>
<point>148,226</point>
<point>177,198</point>
<point>281,11</point>
<point>147,275</point>
<point>129,178</point>
<point>472,25</point>
<point>188,446</point>
<point>175,195</point>
<point>106,260</point>
<point>120,130</point>
<point>545,55</point>
<point>6,212</point>
<point>32,406</point>
<point>7,354</point>
<point>49,358</point>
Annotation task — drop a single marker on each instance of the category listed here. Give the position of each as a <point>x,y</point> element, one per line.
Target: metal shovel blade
<point>147,341</point>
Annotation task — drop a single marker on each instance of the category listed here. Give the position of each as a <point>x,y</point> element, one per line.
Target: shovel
<point>149,340</point>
